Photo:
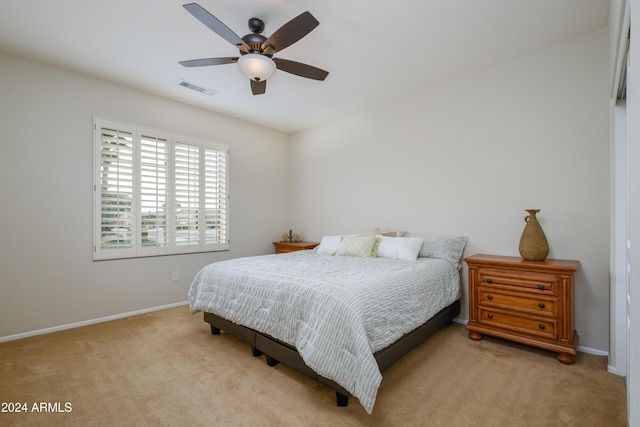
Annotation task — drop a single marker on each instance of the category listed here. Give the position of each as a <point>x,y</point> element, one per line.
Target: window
<point>157,193</point>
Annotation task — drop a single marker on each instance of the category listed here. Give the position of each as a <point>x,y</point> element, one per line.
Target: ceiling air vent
<point>197,88</point>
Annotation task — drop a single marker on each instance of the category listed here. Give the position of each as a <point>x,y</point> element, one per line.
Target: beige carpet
<point>165,368</point>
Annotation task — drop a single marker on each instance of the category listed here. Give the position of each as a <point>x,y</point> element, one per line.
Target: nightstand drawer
<point>287,249</point>
<point>522,280</point>
<point>523,302</point>
<point>544,328</point>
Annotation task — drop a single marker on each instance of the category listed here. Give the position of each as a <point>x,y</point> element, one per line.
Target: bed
<point>340,313</point>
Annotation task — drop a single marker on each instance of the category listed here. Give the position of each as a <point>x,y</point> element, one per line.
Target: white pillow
<point>406,248</point>
<point>360,246</point>
<point>329,244</point>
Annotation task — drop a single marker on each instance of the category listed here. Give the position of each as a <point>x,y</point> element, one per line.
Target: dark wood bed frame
<point>277,351</point>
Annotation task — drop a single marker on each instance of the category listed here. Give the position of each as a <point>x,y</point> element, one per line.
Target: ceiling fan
<point>256,50</point>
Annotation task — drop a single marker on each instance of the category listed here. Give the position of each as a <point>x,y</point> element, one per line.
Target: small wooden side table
<point>284,247</point>
<point>530,302</point>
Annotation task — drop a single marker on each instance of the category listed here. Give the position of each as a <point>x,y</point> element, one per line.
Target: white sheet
<point>336,310</point>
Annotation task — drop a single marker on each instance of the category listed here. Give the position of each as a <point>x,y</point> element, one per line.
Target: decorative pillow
<point>376,232</point>
<point>406,248</point>
<point>448,248</point>
<point>329,244</point>
<point>361,246</point>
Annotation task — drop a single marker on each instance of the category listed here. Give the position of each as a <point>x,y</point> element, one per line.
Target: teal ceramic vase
<point>533,243</point>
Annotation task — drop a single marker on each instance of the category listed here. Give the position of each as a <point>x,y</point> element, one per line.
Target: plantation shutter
<point>215,196</point>
<point>115,190</point>
<point>156,193</point>
<point>187,194</point>
<point>154,180</point>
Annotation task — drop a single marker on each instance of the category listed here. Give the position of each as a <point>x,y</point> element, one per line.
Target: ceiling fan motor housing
<point>254,41</point>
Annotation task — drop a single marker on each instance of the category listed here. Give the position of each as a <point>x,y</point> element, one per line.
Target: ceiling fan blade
<point>208,61</point>
<point>300,69</point>
<point>216,25</point>
<point>258,88</point>
<point>291,32</point>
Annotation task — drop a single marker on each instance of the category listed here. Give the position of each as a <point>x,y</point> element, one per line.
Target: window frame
<point>212,157</point>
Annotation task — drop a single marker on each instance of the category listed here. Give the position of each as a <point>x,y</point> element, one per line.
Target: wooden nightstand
<point>530,302</point>
<point>284,247</point>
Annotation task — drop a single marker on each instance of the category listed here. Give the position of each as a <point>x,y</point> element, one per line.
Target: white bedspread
<point>336,310</point>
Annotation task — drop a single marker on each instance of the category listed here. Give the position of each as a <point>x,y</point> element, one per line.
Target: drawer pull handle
<point>489,280</point>
<point>541,287</point>
<point>489,296</point>
<point>490,316</point>
<point>541,305</point>
<point>541,325</point>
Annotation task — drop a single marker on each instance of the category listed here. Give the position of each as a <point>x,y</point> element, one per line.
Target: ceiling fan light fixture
<point>256,66</point>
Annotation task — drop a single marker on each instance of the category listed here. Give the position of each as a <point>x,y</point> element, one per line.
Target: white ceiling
<point>373,50</point>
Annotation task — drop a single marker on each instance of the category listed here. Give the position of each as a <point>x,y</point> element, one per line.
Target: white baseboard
<point>593,351</point>
<point>583,349</point>
<point>613,370</point>
<point>88,322</point>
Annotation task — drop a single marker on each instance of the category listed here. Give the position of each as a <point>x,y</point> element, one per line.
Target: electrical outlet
<point>176,275</point>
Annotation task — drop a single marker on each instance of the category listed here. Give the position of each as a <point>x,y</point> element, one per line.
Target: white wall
<point>47,276</point>
<point>469,156</point>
